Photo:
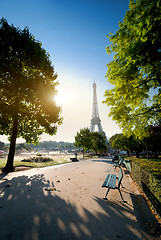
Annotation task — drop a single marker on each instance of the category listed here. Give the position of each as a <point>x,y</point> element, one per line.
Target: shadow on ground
<point>105,160</point>
<point>29,212</point>
<point>3,174</point>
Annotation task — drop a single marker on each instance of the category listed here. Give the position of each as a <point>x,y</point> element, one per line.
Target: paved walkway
<point>66,202</point>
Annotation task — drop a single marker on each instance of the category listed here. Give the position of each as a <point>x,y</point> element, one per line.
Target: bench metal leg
<point>107,193</point>
<point>122,185</point>
<point>121,195</point>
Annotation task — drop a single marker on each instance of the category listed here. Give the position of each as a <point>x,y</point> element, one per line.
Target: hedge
<point>147,174</point>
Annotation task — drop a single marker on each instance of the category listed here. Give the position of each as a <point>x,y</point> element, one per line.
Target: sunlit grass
<point>151,165</point>
<point>58,159</point>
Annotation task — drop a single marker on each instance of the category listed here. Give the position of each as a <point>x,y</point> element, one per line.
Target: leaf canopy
<point>83,138</point>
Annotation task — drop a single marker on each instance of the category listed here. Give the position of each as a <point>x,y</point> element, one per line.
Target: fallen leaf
<point>50,189</point>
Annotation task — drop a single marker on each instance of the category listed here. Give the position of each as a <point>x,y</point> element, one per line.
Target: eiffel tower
<point>95,121</point>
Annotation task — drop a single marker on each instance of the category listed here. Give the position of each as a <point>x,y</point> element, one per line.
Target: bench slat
<point>113,182</point>
<point>128,166</point>
<point>104,184</point>
<point>110,181</point>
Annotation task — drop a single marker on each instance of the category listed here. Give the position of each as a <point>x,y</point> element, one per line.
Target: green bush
<point>147,174</point>
<point>152,165</point>
<point>39,154</point>
<point>37,159</point>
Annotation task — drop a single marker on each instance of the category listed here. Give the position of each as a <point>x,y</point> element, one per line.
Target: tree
<point>136,145</point>
<point>130,144</point>
<point>98,142</point>
<point>118,141</point>
<point>135,71</point>
<point>90,140</point>
<point>22,146</point>
<point>153,140</point>
<point>27,81</point>
<point>83,139</point>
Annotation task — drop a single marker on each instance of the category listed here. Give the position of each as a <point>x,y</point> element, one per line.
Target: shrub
<point>38,154</point>
<point>147,175</point>
<point>37,159</point>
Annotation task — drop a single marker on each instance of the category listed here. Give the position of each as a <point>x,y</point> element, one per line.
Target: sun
<point>61,99</point>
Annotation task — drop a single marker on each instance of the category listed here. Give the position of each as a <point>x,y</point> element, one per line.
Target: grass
<point>56,160</point>
<point>152,165</point>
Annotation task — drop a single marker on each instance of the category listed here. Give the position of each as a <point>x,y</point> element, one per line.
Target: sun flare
<point>61,99</point>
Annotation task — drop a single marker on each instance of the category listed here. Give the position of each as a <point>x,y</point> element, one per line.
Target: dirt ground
<point>66,202</point>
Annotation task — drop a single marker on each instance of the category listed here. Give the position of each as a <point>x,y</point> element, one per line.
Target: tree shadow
<point>155,202</point>
<point>31,209</point>
<point>109,161</point>
<point>3,174</point>
<point>144,216</point>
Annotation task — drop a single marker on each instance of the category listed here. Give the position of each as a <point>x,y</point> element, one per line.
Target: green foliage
<point>135,71</point>
<point>38,159</point>
<point>39,154</point>
<point>130,144</point>
<point>21,146</point>
<point>83,139</point>
<point>147,174</point>
<point>98,142</point>
<point>152,165</point>
<point>153,141</point>
<point>52,145</point>
<point>90,140</point>
<point>118,142</point>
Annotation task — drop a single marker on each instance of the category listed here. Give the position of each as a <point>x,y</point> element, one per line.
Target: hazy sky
<point>74,33</point>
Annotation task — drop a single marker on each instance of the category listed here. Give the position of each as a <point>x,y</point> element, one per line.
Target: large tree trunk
<point>147,152</point>
<point>137,153</point>
<point>9,166</point>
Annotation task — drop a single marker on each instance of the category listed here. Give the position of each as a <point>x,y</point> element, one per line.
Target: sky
<point>74,33</point>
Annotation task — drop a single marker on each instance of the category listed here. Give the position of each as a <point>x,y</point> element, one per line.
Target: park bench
<point>127,164</point>
<point>74,159</point>
<point>113,182</point>
<point>119,163</point>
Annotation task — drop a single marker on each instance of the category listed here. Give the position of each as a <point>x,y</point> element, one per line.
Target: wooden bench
<point>113,182</point>
<point>119,163</point>
<point>74,159</point>
<point>127,163</point>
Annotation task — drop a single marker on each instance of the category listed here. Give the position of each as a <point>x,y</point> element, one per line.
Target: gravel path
<point>66,202</point>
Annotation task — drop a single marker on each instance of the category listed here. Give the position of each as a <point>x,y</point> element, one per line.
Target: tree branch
<point>158,109</point>
<point>146,81</point>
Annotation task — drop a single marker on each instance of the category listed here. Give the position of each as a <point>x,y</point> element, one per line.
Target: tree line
<point>47,145</point>
<point>150,145</point>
